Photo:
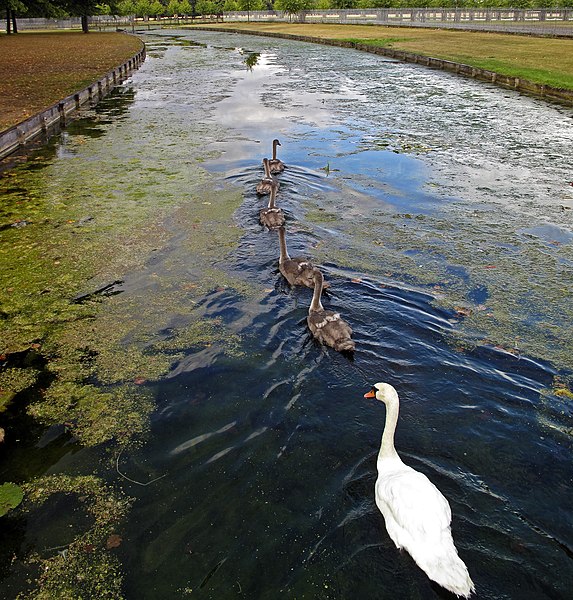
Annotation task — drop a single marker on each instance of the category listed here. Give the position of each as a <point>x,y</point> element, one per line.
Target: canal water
<point>441,213</point>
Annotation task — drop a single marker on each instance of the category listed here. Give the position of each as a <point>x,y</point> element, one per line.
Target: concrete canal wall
<point>57,116</point>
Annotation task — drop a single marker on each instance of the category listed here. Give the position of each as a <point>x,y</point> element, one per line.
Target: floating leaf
<point>10,496</point>
<point>113,541</point>
<point>463,311</point>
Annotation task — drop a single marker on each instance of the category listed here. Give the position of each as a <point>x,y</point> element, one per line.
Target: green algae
<point>564,393</point>
<point>453,251</point>
<point>94,415</point>
<point>11,496</point>
<point>556,401</point>
<point>14,380</point>
<point>64,239</point>
<point>321,215</point>
<point>67,233</point>
<point>87,567</point>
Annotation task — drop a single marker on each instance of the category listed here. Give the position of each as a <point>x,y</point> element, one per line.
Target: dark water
<point>416,191</point>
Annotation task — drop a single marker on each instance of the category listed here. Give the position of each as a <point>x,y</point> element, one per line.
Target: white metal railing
<point>552,21</point>
<point>543,21</point>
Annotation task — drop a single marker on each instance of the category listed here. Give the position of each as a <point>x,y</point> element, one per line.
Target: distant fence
<point>106,22</point>
<point>556,22</point>
<point>542,21</point>
<point>413,15</point>
<point>74,23</point>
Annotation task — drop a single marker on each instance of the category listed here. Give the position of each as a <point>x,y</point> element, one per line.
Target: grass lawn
<point>539,59</point>
<point>39,69</point>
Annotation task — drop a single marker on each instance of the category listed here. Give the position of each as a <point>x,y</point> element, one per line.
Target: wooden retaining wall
<point>57,116</point>
<point>516,83</point>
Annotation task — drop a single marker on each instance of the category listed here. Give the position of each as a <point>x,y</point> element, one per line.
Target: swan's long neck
<point>387,449</point>
<point>282,243</point>
<point>273,197</point>
<point>267,168</point>
<point>316,304</point>
<point>275,144</point>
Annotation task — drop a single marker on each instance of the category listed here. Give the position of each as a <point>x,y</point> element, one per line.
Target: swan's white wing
<point>413,507</point>
<point>418,519</point>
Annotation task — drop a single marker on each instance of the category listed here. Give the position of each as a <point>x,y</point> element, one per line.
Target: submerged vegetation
<point>523,311</point>
<point>540,60</point>
<point>11,495</point>
<point>60,250</point>
<point>78,346</point>
<point>84,567</point>
<point>108,260</point>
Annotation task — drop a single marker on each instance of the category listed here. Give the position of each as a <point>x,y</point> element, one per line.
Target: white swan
<point>416,513</point>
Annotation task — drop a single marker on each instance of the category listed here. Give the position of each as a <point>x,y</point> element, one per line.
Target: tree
<point>207,7</point>
<point>156,9</point>
<point>11,7</point>
<point>343,4</point>
<point>249,5</point>
<point>293,7</point>
<point>126,7</point>
<point>84,9</point>
<point>173,8</point>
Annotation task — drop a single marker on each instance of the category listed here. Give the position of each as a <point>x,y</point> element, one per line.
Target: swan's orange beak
<point>370,394</point>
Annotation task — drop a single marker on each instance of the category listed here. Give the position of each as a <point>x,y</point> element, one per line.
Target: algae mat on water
<point>39,69</point>
<point>53,245</point>
<point>87,323</point>
<point>541,60</point>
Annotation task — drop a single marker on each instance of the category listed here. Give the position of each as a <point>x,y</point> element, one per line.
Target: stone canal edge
<point>522,85</point>
<point>54,118</point>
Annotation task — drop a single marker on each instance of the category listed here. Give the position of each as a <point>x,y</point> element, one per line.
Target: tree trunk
<point>85,28</point>
<point>14,26</point>
<point>8,22</point>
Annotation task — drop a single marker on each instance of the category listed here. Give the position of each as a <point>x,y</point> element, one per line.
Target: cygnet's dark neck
<point>316,304</point>
<point>273,197</point>
<point>282,243</point>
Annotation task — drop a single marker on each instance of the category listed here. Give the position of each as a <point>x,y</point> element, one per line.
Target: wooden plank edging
<point>58,115</point>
